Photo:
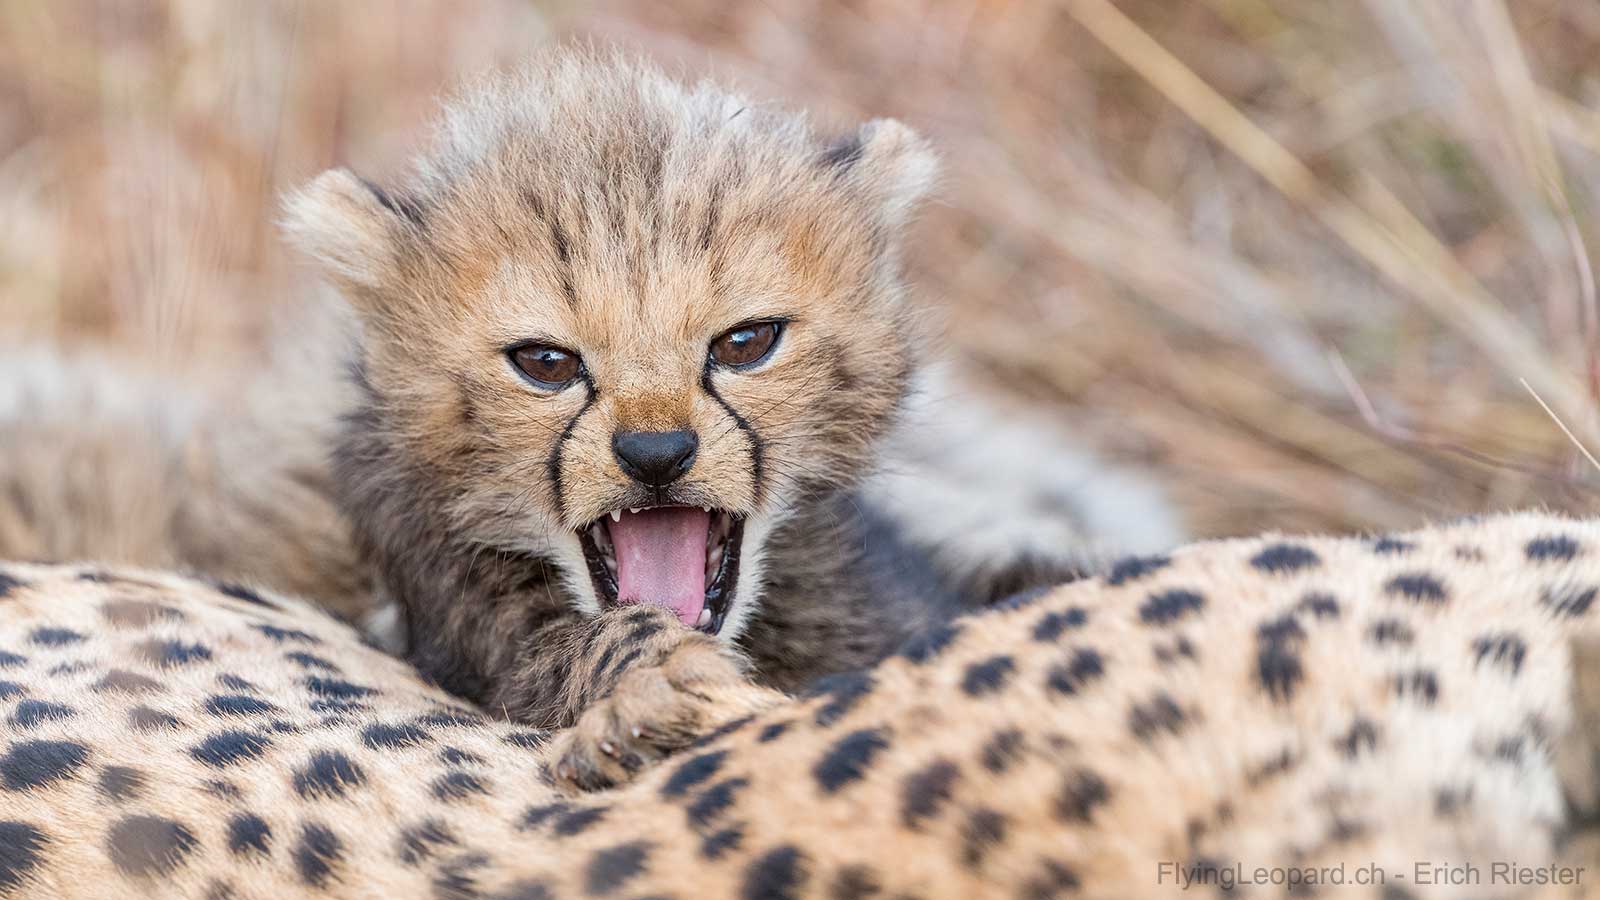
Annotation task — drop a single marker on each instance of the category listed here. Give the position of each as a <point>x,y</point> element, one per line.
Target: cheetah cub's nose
<point>655,458</point>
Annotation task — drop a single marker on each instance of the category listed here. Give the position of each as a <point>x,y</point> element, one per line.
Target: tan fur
<point>1299,727</point>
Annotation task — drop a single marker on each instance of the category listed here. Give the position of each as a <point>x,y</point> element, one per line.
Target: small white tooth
<point>634,510</point>
<point>706,508</point>
<point>705,618</point>
<point>616,515</point>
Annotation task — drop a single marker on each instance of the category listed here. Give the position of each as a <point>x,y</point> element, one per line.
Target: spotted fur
<point>165,738</point>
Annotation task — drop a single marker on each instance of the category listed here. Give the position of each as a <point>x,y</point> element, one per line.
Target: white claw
<point>616,515</point>
<point>636,731</point>
<point>705,618</point>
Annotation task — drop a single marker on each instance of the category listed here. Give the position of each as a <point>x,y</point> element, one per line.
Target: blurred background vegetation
<point>1314,264</point>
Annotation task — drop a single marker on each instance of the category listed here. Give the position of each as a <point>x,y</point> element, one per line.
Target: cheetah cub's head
<point>629,324</point>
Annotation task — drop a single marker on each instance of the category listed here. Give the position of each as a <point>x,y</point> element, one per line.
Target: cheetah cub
<point>629,348</point>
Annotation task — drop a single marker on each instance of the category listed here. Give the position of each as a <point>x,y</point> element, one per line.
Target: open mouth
<point>685,558</point>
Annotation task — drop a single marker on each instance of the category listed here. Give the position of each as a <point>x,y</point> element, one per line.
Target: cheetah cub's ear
<point>352,228</point>
<point>889,164</point>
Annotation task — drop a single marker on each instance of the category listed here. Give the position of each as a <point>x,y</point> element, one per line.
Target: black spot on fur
<point>843,690</point>
<point>1131,568</point>
<point>1320,605</point>
<point>145,719</point>
<point>1160,714</point>
<point>535,816</point>
<point>984,829</point>
<point>1003,749</point>
<point>713,802</point>
<point>1081,794</point>
<point>235,683</point>
<point>222,789</point>
<point>8,659</point>
<point>1069,677</point>
<point>121,783</point>
<point>31,712</point>
<point>1420,684</point>
<point>1278,665</point>
<point>778,874</point>
<point>1053,624</point>
<point>35,764</point>
<point>149,845</point>
<point>613,867</point>
<point>856,882</point>
<point>173,653</point>
<point>239,592</point>
<point>238,705</point>
<point>21,851</point>
<point>458,785</point>
<point>721,731</point>
<point>1570,600</point>
<point>1180,649</point>
<point>923,792</point>
<point>418,842</point>
<point>1450,802</point>
<point>1560,548</point>
<point>310,661</point>
<point>444,718</point>
<point>1392,546</point>
<point>282,635</point>
<point>987,677</point>
<point>328,774</point>
<point>1418,587</point>
<point>695,771</point>
<point>7,585</point>
<point>249,833</point>
<point>772,732</point>
<point>455,756</point>
<point>1391,631</point>
<point>716,844</point>
<point>1284,761</point>
<point>1055,879</point>
<point>527,740</point>
<point>1170,606</point>
<point>10,690</point>
<point>930,643</point>
<point>1280,559</point>
<point>1504,649</point>
<point>849,757</point>
<point>54,637</point>
<point>571,822</point>
<point>526,890</point>
<point>226,748</point>
<point>316,853</point>
<point>393,737</point>
<point>337,689</point>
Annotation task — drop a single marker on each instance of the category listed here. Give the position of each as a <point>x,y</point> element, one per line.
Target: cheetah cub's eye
<point>745,345</point>
<point>547,366</point>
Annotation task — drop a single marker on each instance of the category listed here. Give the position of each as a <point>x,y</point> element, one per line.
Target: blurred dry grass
<point>1295,256</point>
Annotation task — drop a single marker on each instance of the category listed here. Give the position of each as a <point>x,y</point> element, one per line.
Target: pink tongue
<point>661,559</point>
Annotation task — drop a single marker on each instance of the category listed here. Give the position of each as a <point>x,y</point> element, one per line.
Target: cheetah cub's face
<point>628,324</point>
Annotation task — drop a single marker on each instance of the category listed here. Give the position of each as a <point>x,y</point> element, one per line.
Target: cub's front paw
<point>654,711</point>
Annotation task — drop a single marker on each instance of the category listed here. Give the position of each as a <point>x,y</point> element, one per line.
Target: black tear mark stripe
<point>553,465</point>
<point>757,445</point>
